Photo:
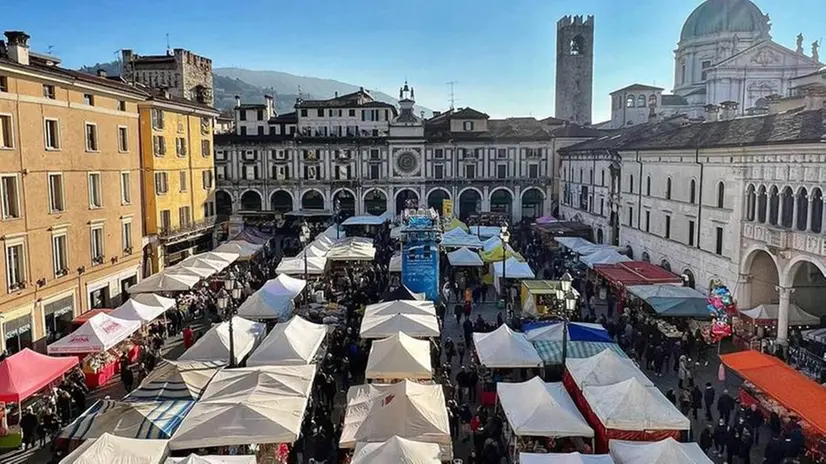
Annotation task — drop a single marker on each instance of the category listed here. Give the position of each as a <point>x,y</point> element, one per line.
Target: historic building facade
<point>371,157</point>
<point>185,74</point>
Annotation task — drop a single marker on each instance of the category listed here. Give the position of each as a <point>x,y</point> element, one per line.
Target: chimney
<point>237,101</point>
<point>729,110</point>
<point>18,47</point>
<point>712,113</point>
<point>653,117</point>
<point>336,94</point>
<point>101,72</point>
<point>268,104</point>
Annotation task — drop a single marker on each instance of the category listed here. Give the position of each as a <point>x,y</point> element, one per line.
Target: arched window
<point>774,205</point>
<point>648,186</point>
<point>591,175</point>
<point>802,205</point>
<point>641,101</point>
<point>762,201</point>
<point>577,45</point>
<point>692,191</point>
<point>721,195</point>
<point>652,101</point>
<point>580,175</point>
<point>668,189</point>
<point>751,203</point>
<point>631,183</point>
<point>630,101</point>
<point>817,210</point>
<point>603,177</point>
<point>665,265</point>
<point>645,257</point>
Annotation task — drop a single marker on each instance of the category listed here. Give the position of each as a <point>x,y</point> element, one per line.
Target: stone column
<point>809,212</point>
<point>823,219</point>
<point>779,208</point>
<point>785,294</point>
<point>744,291</point>
<point>795,208</point>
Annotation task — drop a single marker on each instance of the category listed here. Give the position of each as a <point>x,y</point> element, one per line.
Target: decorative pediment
<point>767,54</point>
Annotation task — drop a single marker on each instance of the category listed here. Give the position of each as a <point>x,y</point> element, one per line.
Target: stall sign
<point>447,208</point>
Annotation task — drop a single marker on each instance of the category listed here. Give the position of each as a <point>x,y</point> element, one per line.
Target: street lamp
<point>570,304</point>
<point>505,237</point>
<point>566,280</point>
<point>337,210</point>
<point>304,237</point>
<point>223,302</point>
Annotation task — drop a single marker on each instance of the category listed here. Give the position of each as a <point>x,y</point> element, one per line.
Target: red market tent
<point>636,273</point>
<point>23,374</point>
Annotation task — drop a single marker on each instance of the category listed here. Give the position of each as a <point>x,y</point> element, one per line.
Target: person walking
<point>708,398</point>
<point>128,379</point>
<point>696,400</point>
<point>725,404</point>
<point>29,423</point>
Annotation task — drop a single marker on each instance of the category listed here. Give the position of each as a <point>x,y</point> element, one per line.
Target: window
<point>630,217</point>
<point>304,112</point>
<point>123,139</point>
<point>374,171</point>
<point>718,244</point>
<point>260,130</point>
<point>470,171</point>
<point>251,172</point>
<point>4,84</point>
<point>206,178</point>
<point>121,105</point>
<point>56,203</point>
<point>641,102</point>
<point>721,195</point>
<point>158,145</point>
<point>667,226</point>
<point>221,172</point>
<point>206,150</point>
<point>91,137</point>
<point>439,153</point>
<point>692,191</point>
<point>320,112</point>
<point>161,183</point>
<point>438,171</point>
<point>206,126</point>
<point>352,113</point>
<point>95,192</point>
<point>690,233</point>
<point>260,115</point>
<point>15,265</point>
<point>502,153</point>
<point>97,244</point>
<point>631,184</point>
<point>182,181</point>
<point>648,221</point>
<point>603,177</point>
<point>533,171</point>
<point>243,115</point>
<point>180,120</point>
<point>184,216</point>
<point>126,236</point>
<point>60,255</point>
<point>243,130</point>
<point>705,65</point>
<point>682,73</point>
<point>166,220</point>
<point>180,146</point>
<point>668,189</point>
<point>125,188</point>
<point>467,125</point>
<point>52,130</point>
<point>502,171</point>
<point>11,197</point>
<point>648,185</point>
<point>630,101</point>
<point>49,92</point>
<point>6,134</point>
<point>157,119</point>
<point>89,99</point>
<point>577,45</point>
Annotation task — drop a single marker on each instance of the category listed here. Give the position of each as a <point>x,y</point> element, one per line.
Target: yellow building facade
<point>70,194</point>
<point>178,177</point>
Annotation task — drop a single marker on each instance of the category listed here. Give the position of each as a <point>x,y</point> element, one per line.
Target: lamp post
<point>505,237</point>
<point>304,237</point>
<point>566,299</point>
<point>337,210</point>
<point>223,302</point>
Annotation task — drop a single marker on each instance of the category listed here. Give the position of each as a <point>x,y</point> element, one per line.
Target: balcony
<point>783,239</point>
<point>186,231</point>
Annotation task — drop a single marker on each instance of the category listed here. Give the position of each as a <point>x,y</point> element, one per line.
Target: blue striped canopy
<point>175,381</point>
<point>577,331</point>
<point>551,351</point>
<point>157,420</point>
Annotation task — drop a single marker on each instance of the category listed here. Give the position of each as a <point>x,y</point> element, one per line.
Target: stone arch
<point>533,202</point>
<point>692,191</point>
<point>751,202</point>
<point>403,196</point>
<point>251,200</point>
<point>630,101</point>
<point>281,200</point>
<point>762,203</point>
<point>808,278</point>
<point>577,46</point>
<point>721,194</point>
<point>645,257</point>
<point>374,201</point>
<point>346,200</point>
<point>665,265</point>
<point>688,278</point>
<point>470,202</point>
<point>816,198</point>
<point>223,203</point>
<point>764,272</point>
<point>600,236</point>
<point>436,197</point>
<point>313,198</point>
<point>501,200</point>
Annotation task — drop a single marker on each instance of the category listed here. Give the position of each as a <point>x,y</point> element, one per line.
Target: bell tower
<point>574,68</point>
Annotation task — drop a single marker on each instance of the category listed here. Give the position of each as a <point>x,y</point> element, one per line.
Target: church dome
<point>720,16</point>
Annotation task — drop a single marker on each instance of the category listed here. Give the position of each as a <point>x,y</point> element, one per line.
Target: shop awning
<point>163,282</point>
<point>767,313</point>
<point>636,273</point>
<point>25,373</point>
<point>134,310</point>
<point>553,330</point>
<point>176,380</point>
<point>672,301</point>
<point>815,335</point>
<point>780,381</point>
<point>366,220</point>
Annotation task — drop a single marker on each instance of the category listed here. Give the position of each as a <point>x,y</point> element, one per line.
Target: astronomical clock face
<point>407,163</point>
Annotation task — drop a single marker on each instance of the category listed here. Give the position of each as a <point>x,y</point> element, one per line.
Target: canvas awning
<point>495,255</point>
<point>399,357</point>
<point>537,408</point>
<point>293,342</point>
<point>385,325</point>
<point>564,458</point>
<point>573,243</point>
<point>402,293</point>
<point>551,350</point>
<point>176,380</point>
<point>244,250</point>
<point>152,299</point>
<point>401,307</point>
<point>459,238</point>
<point>163,282</point>
<point>314,250</point>
<point>397,450</point>
<point>631,406</point>
<point>134,310</point>
<point>214,344</point>
<point>464,257</point>
<point>27,372</point>
<point>99,333</point>
<point>603,256</point>
<point>198,269</point>
<point>505,348</point>
<point>577,331</point>
<point>664,451</point>
<point>110,449</point>
<point>605,368</point>
<point>673,301</point>
<point>274,300</point>
<point>768,313</point>
<point>264,404</point>
<point>352,250</point>
<point>331,233</point>
<point>514,269</point>
<point>636,273</point>
<point>155,420</point>
<point>296,266</point>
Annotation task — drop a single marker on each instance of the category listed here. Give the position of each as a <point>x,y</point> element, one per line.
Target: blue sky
<point>500,53</point>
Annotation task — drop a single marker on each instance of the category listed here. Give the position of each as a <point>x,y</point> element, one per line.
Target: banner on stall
<point>447,208</point>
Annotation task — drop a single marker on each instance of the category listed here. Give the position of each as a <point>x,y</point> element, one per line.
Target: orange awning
<point>780,381</point>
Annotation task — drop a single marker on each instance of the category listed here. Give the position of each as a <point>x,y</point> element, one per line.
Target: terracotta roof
<point>553,121</point>
<point>469,113</point>
<point>58,72</point>
<point>637,87</point>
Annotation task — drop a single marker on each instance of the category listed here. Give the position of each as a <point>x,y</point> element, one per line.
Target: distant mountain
<point>252,85</point>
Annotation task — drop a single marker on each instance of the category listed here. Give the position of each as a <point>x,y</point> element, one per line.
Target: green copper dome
<point>720,16</point>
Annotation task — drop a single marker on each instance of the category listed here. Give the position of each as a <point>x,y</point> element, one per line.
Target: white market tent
<point>396,263</point>
<point>366,220</point>
<point>399,357</point>
<point>603,256</point>
<point>385,325</point>
<point>99,333</point>
<point>274,300</point>
<point>314,250</point>
<point>505,348</point>
<point>459,238</point>
<point>401,307</point>
<point>117,450</point>
<point>352,250</point>
<point>293,342</point>
<point>224,256</point>
<point>536,408</point>
<point>564,458</point>
<point>214,345</point>
<point>580,245</point>
<point>331,234</point>
<point>199,269</point>
<point>604,368</point>
<point>484,231</point>
<point>514,269</point>
<point>195,459</point>
<point>631,406</point>
<point>399,450</point>
<point>176,380</point>
<point>407,409</point>
<point>136,311</point>
<point>264,404</point>
<point>769,312</point>
<point>152,299</point>
<point>244,250</point>
<point>164,282</point>
<point>295,266</point>
<point>129,419</point>
<point>464,257</point>
<point>197,262</point>
<point>664,451</point>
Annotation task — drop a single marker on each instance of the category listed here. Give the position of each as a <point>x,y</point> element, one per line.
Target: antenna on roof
<point>452,94</point>
<point>49,50</point>
<point>168,48</point>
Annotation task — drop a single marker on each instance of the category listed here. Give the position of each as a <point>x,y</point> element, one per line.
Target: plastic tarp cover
<point>195,459</point>
<point>577,332</point>
<point>505,348</point>
<point>605,368</point>
<point>769,312</point>
<point>274,300</point>
<point>293,342</point>
<point>264,404</point>
<point>399,357</point>
<point>536,408</point>
<point>514,269</point>
<point>671,300</point>
<point>664,451</point>
<point>398,450</point>
<point>564,458</point>
<point>99,333</point>
<point>385,325</point>
<point>401,307</point>
<point>110,449</point>
<point>464,257</point>
<point>26,372</point>
<point>214,344</point>
<point>176,380</point>
<point>631,406</point>
<point>154,420</point>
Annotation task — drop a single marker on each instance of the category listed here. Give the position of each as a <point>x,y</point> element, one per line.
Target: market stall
<point>84,318</point>
<point>605,368</point>
<point>385,325</point>
<point>274,300</point>
<point>553,330</point>
<point>457,238</point>
<point>164,282</point>
<point>26,372</point>
<point>214,344</point>
<point>134,310</point>
<point>296,266</point>
<point>776,387</point>
<point>127,419</point>
<point>111,449</point>
<point>551,350</point>
<point>264,404</point>
<point>352,249</point>
<point>537,297</point>
<point>754,328</point>
<point>399,357</point>
<point>622,275</point>
<point>603,256</point>
<point>397,449</point>
<point>195,459</point>
<point>564,458</point>
<point>672,301</point>
<point>504,348</point>
<point>401,307</point>
<point>513,269</point>
<point>464,257</point>
<point>296,341</point>
<point>176,380</point>
<point>664,451</point>
<point>244,250</point>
